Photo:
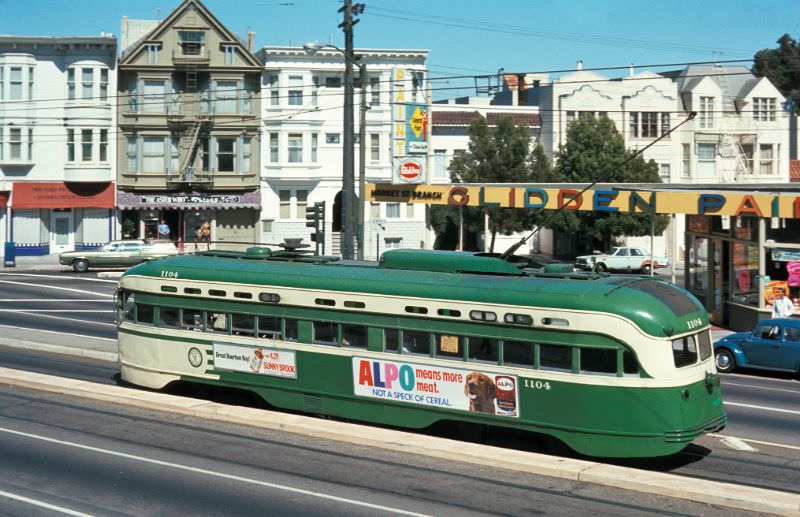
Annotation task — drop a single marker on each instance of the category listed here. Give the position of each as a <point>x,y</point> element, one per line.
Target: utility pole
<point>348,173</point>
<point>362,163</point>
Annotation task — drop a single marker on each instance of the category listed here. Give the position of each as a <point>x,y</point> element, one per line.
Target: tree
<point>782,66</point>
<point>594,152</point>
<point>496,155</point>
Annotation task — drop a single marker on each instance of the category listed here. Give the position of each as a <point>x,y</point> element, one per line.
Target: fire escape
<point>188,120</point>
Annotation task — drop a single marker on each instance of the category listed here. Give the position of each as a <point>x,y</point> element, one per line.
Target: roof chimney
<point>251,36</point>
<point>579,65</point>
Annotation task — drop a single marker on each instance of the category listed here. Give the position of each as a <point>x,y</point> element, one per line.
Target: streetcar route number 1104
<point>537,385</point>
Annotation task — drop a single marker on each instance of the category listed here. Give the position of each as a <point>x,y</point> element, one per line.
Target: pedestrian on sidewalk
<point>782,306</point>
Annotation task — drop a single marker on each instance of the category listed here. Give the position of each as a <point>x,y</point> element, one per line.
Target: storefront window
<point>698,266</point>
<point>745,270</point>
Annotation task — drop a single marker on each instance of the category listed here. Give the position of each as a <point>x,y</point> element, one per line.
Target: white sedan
<point>621,258</point>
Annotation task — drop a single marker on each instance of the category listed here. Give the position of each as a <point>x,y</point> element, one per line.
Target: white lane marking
<point>214,474</point>
<point>764,408</point>
<point>41,315</point>
<point>52,300</point>
<point>761,442</point>
<point>61,277</point>
<point>759,387</point>
<point>736,443</point>
<point>56,332</point>
<point>42,504</point>
<point>57,288</point>
<point>750,377</point>
<point>26,311</point>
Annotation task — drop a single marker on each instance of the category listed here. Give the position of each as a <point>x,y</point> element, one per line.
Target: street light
<point>351,221</point>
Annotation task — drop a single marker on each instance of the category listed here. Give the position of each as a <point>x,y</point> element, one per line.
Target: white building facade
<point>740,133</point>
<point>302,138</point>
<point>57,150</point>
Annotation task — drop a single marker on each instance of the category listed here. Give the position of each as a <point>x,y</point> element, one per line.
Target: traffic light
<point>315,218</point>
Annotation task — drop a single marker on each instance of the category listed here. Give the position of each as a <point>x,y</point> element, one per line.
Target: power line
<point>518,30</point>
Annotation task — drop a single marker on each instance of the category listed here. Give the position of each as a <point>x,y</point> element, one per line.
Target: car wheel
<point>646,269</point>
<point>81,266</point>
<point>725,361</point>
<point>600,268</point>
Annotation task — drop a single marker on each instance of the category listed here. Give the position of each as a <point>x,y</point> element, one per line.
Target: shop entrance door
<point>719,293</point>
<point>61,236</point>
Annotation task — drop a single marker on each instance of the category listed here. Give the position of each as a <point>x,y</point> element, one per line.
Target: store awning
<point>188,200</point>
<point>3,199</point>
<point>56,194</point>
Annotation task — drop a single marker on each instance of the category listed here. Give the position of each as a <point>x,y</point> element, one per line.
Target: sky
<point>467,37</point>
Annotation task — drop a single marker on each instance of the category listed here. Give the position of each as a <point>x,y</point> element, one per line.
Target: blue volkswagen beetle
<point>771,345</point>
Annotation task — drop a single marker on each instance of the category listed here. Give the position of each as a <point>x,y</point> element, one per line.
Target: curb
<point>669,485</point>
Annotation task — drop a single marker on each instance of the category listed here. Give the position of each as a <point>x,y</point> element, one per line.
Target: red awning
<point>3,199</point>
<point>40,194</point>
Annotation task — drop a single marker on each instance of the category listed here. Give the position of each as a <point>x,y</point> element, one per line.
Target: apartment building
<point>57,144</point>
<point>740,133</point>
<point>188,115</point>
<point>302,142</point>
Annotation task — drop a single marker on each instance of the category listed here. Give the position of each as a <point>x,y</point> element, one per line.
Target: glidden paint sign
<point>597,199</point>
<point>447,388</point>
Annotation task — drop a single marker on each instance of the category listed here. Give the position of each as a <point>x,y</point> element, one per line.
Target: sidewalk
<point>38,263</point>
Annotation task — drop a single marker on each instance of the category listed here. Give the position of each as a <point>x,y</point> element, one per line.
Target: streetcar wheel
<point>81,266</point>
<point>725,361</point>
<point>601,268</point>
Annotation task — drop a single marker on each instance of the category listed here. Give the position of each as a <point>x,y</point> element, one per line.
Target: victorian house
<point>188,116</point>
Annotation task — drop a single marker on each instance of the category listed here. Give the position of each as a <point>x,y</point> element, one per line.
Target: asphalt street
<point>101,459</point>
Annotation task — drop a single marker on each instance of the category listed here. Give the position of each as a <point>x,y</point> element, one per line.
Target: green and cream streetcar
<point>611,366</point>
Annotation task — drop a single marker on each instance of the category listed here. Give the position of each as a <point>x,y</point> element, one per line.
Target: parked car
<point>118,254</point>
<point>621,258</point>
<point>772,345</point>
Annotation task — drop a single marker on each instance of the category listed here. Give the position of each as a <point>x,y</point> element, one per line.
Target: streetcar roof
<point>655,306</point>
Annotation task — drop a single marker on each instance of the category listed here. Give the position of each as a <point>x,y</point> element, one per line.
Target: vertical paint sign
<point>398,112</point>
<point>416,129</point>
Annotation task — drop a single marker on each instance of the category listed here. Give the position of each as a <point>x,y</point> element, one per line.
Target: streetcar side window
<point>169,317</point>
<point>555,357</point>
<point>243,325</point>
<point>326,333</point>
<point>269,327</point>
<point>449,346</point>
<point>416,342</point>
<point>684,351</point>
<point>193,319</point>
<point>598,360</point>
<point>129,306</point>
<point>291,330</point>
<point>630,366</point>
<point>217,322</point>
<point>354,336</point>
<point>518,353</point>
<point>145,313</point>
<point>484,349</point>
<point>391,340</point>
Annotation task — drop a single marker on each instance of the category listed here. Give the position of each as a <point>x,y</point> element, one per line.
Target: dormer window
<point>191,42</point>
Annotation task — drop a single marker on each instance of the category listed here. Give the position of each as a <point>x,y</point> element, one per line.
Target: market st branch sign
<point>598,200</point>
